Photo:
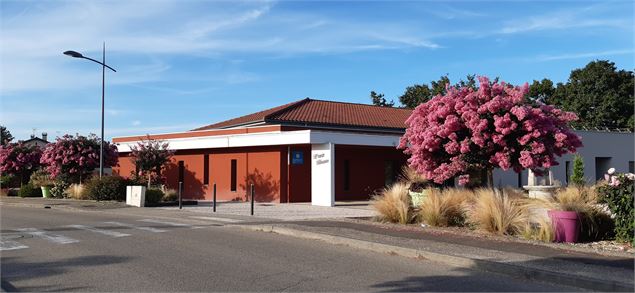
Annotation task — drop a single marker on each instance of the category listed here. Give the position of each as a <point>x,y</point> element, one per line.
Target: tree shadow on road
<point>14,270</point>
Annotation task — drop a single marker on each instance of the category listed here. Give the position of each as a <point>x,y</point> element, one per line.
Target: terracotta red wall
<point>264,166</point>
<point>300,176</point>
<point>366,170</point>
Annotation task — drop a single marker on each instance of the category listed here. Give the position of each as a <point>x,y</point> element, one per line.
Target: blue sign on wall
<point>297,158</point>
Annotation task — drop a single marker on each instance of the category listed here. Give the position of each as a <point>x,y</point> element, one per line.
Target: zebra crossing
<point>13,240</point>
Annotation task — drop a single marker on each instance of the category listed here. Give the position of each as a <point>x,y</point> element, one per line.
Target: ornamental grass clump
<point>393,204</point>
<point>445,208</point>
<point>539,229</point>
<point>496,212</point>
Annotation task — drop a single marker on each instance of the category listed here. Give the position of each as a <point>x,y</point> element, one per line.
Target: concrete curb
<point>516,271</point>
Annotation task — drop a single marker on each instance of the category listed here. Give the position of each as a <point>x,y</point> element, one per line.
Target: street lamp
<point>103,86</point>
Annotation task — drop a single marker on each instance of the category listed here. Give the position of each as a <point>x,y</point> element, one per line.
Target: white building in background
<point>601,150</point>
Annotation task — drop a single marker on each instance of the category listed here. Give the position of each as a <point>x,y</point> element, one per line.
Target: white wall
<point>620,147</point>
<point>323,174</point>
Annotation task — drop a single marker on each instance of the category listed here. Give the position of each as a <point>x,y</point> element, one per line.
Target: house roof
<point>310,112</point>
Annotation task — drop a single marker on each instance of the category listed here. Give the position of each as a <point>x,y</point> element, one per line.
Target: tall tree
<point>467,130</point>
<point>601,95</point>
<point>150,156</point>
<point>541,91</point>
<point>76,156</point>
<point>19,160</point>
<point>420,93</point>
<point>5,136</point>
<point>379,100</point>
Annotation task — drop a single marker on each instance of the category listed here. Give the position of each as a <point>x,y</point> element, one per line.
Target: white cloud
<point>585,17</point>
<point>584,55</point>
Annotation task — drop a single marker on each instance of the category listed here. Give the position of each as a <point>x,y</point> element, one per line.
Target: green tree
<point>541,91</point>
<point>379,100</point>
<point>5,136</point>
<point>577,178</point>
<point>601,95</point>
<point>421,93</point>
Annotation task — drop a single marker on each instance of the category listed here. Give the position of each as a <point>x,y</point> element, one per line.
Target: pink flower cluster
<point>76,155</point>
<point>17,159</point>
<point>492,127</point>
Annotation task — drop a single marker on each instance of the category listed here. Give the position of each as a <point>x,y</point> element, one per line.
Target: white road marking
<point>11,245</point>
<point>149,229</point>
<point>59,239</point>
<point>167,223</point>
<point>99,231</point>
<point>226,220</point>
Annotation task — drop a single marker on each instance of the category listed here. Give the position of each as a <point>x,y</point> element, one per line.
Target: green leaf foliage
<point>577,178</point>
<point>601,95</point>
<point>619,198</point>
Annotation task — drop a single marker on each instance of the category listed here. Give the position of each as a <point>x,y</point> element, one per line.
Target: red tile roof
<point>324,113</point>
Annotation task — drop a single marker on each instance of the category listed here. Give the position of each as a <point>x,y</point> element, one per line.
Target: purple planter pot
<point>566,226</point>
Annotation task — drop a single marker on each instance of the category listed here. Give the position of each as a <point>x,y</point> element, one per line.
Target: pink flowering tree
<point>19,160</point>
<point>76,156</point>
<point>468,130</point>
<point>150,158</point>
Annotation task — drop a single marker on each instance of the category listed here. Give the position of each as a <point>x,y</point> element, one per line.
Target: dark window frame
<point>206,169</point>
<point>234,176</point>
<point>347,175</point>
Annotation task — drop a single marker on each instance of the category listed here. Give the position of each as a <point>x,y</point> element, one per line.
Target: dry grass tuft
<point>445,208</point>
<point>76,191</point>
<point>541,229</point>
<point>393,204</point>
<point>411,177</point>
<point>497,212</point>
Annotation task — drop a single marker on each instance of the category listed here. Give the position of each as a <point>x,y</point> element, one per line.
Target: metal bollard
<point>214,203</point>
<point>253,193</point>
<point>180,197</point>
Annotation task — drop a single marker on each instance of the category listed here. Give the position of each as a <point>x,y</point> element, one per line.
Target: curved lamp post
<point>103,86</point>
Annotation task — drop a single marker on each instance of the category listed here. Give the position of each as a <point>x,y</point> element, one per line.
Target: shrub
<point>393,204</point>
<point>28,190</point>
<point>106,188</point>
<point>496,212</point>
<point>154,195</point>
<point>577,178</point>
<point>41,178</point>
<point>59,188</point>
<point>76,191</point>
<point>169,194</point>
<point>618,195</point>
<point>445,208</point>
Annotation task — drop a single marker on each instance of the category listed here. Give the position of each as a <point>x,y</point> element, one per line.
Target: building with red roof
<point>305,151</point>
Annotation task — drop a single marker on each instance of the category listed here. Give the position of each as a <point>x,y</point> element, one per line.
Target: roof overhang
<point>274,138</point>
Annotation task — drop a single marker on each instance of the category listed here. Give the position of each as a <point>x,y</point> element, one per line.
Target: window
<point>567,171</point>
<point>233,176</point>
<point>389,173</point>
<point>181,171</point>
<point>206,169</point>
<point>631,167</point>
<point>347,177</point>
<point>602,164</point>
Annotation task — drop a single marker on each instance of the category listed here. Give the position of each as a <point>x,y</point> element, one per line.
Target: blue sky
<point>183,64</point>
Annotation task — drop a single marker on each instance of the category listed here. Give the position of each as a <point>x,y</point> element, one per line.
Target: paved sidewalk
<point>523,260</point>
<point>284,211</point>
<point>39,202</point>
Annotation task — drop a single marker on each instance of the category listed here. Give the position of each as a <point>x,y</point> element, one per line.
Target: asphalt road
<point>62,250</point>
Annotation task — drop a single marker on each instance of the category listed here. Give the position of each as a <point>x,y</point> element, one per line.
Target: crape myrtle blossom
<point>19,159</point>
<point>492,127</point>
<point>77,155</point>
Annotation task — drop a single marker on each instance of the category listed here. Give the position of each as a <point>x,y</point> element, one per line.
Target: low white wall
<point>619,147</point>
